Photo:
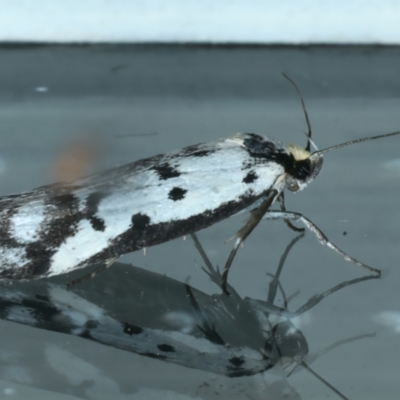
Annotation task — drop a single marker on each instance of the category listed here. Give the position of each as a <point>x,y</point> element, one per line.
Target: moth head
<point>287,342</point>
<point>305,166</point>
<point>302,168</point>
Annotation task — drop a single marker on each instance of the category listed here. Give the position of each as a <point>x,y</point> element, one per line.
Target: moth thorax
<point>298,153</point>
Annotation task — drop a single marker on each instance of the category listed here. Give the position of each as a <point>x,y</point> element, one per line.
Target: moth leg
<point>281,200</point>
<point>255,217</point>
<point>84,278</point>
<point>293,216</point>
<point>213,273</point>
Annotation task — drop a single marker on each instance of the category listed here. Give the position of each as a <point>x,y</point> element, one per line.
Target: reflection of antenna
<point>312,357</point>
<point>320,378</point>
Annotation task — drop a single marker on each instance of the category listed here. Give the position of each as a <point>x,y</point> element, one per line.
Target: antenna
<point>338,146</point>
<point>308,134</point>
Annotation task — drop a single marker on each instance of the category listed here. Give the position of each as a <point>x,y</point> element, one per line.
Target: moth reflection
<point>159,317</point>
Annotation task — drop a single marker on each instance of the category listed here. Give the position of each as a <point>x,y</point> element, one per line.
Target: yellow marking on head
<point>298,152</point>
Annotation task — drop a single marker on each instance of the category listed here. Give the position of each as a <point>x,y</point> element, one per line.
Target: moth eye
<point>293,187</point>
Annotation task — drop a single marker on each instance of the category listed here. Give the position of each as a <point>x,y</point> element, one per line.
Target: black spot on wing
<point>131,329</point>
<point>232,373</point>
<point>54,234</point>
<point>39,251</point>
<point>177,193</point>
<point>92,206</point>
<point>91,324</point>
<point>57,233</point>
<point>134,239</point>
<point>167,348</point>
<point>247,165</point>
<point>85,334</point>
<point>43,310</point>
<point>250,177</point>
<point>202,153</point>
<point>261,147</point>
<point>237,361</point>
<point>166,171</point>
<point>97,223</point>
<point>239,368</point>
<point>65,217</point>
<point>140,221</point>
<point>39,312</point>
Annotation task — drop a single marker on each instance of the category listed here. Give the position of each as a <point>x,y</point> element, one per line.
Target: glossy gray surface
<point>141,101</point>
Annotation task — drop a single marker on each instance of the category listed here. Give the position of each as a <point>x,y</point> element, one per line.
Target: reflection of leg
<point>274,284</point>
<point>292,216</point>
<point>209,330</point>
<point>213,273</point>
<point>318,297</point>
<point>255,217</point>
<point>312,302</point>
<point>84,278</point>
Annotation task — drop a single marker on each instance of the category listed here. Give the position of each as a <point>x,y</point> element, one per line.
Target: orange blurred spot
<point>77,160</point>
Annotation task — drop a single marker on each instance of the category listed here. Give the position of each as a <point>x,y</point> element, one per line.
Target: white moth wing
<point>77,221</point>
<point>204,193</point>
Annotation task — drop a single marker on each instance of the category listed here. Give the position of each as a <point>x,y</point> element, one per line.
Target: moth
<point>59,228</point>
<point>173,322</point>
